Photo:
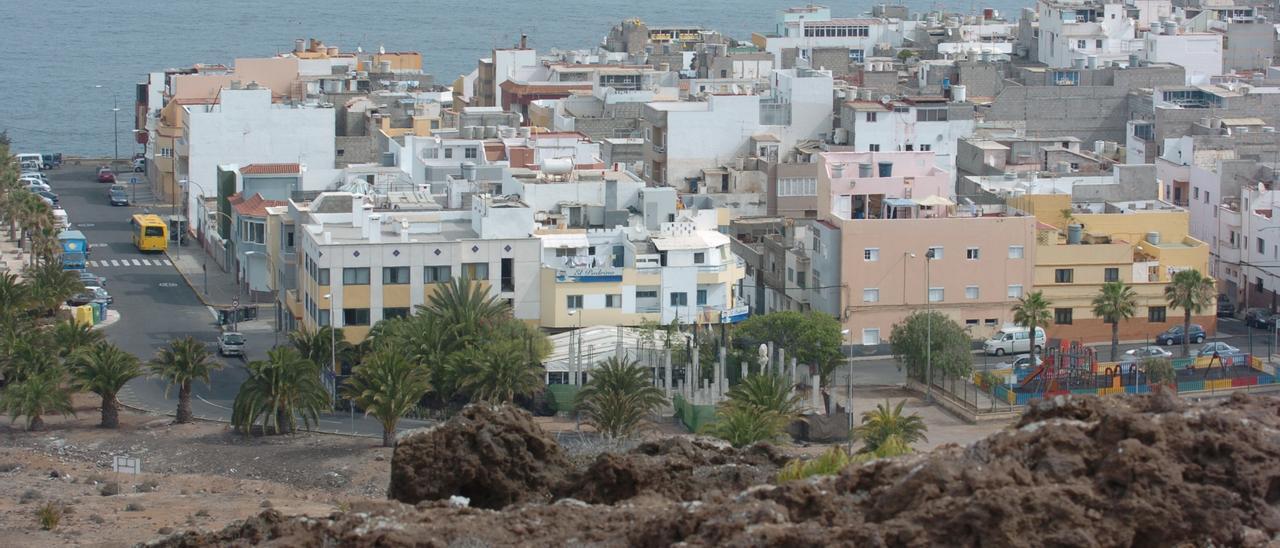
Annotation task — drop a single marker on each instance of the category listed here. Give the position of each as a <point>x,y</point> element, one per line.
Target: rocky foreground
<point>1120,471</point>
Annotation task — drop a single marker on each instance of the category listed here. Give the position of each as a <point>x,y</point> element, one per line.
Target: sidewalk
<point>214,287</point>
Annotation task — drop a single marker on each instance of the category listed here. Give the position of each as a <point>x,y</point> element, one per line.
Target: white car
<point>35,184</point>
<point>1018,364</point>
<point>1142,353</point>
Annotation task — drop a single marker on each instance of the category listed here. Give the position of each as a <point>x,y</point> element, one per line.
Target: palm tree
<point>1115,302</point>
<point>618,396</point>
<point>387,385</point>
<point>496,373</point>
<point>14,296</point>
<point>71,336</point>
<point>1032,311</point>
<point>50,285</point>
<point>314,345</point>
<point>886,426</point>
<point>757,409</point>
<point>183,361</point>
<point>466,309</point>
<point>279,388</point>
<point>36,396</point>
<point>27,357</point>
<point>1192,292</point>
<point>104,369</point>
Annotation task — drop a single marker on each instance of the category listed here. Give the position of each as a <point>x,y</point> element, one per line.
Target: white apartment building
<point>245,127</point>
<point>379,264</point>
<point>683,271</point>
<point>683,138</point>
<point>1200,53</point>
<point>1075,32</point>
<point>811,27</point>
<point>910,124</point>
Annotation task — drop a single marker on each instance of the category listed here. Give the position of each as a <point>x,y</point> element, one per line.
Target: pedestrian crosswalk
<point>108,263</point>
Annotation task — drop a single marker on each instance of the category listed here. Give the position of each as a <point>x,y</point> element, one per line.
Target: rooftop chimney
<point>374,228</point>
<point>524,41</point>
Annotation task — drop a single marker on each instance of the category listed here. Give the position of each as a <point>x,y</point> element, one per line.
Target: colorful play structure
<point>1072,368</point>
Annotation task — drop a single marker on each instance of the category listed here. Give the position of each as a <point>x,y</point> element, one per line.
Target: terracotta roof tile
<point>269,169</point>
<point>253,206</point>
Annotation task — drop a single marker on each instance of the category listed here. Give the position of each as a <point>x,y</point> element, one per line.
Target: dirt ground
<point>208,476</point>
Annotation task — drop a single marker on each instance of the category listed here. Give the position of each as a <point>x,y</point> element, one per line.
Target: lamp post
<point>849,407</point>
<point>928,330</point>
<point>577,352</point>
<point>333,352</point>
<point>115,115</point>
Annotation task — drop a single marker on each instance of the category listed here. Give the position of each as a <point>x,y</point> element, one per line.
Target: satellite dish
<point>886,98</point>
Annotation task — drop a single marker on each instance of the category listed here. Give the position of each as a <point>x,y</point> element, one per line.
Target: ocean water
<point>55,51</point>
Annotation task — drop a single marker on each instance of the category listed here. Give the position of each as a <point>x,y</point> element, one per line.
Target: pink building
<point>892,208</point>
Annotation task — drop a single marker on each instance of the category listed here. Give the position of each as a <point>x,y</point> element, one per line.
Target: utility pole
<point>928,321</point>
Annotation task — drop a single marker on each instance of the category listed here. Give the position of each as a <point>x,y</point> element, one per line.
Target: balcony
<point>648,262</point>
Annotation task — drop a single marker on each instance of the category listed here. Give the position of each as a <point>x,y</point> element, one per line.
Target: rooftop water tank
<point>886,169</point>
<point>1153,238</point>
<point>864,169</point>
<point>557,166</point>
<point>1075,233</point>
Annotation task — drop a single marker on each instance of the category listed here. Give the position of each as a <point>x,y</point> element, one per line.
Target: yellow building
<point>1141,243</point>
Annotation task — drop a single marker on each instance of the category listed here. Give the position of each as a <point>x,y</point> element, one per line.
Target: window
<point>1111,275</point>
<point>911,148</point>
<point>393,313</point>
<point>355,316</point>
<point>566,252</point>
<point>680,299</point>
<point>873,148</point>
<point>871,295</point>
<point>990,322</point>
<point>1066,78</point>
<point>469,153</point>
<point>699,258</point>
<point>355,276</point>
<point>935,294</point>
<point>971,292</point>
<point>791,274</point>
<point>1015,291</point>
<point>253,232</point>
<point>1195,192</point>
<point>613,301</point>
<point>1015,252</point>
<point>1064,275</point>
<point>1081,44</point>
<point>971,254</point>
<point>800,279</point>
<point>573,302</point>
<point>871,116</point>
<point>475,271</point>
<point>1156,314</point>
<point>322,276</point>
<point>936,250</point>
<point>507,274</point>
<point>798,186</point>
<point>288,240</point>
<point>1206,196</point>
<point>926,148</point>
<point>1062,316</point>
<point>448,153</point>
<point>646,294</point>
<point>323,318</point>
<point>436,274</point>
<point>1098,43</point>
<point>1262,245</point>
<point>871,254</point>
<point>931,114</point>
<point>870,336</point>
<point>395,275</point>
<point>701,297</point>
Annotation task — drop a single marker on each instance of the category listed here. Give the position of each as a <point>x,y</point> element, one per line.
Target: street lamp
<point>115,115</point>
<point>577,352</point>
<point>928,330</point>
<point>333,352</point>
<point>849,408</point>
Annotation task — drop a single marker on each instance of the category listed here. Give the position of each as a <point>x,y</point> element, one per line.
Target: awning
<point>900,202</point>
<point>936,200</point>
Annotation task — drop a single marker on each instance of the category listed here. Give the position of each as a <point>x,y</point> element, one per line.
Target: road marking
<point>115,262</point>
<point>167,262</point>
<point>137,262</point>
<point>168,284</point>
<point>332,422</point>
<point>201,398</point>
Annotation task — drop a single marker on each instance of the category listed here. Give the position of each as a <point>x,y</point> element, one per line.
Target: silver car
<point>231,343</point>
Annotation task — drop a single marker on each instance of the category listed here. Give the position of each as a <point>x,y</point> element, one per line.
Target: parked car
<point>118,195</point>
<point>60,219</point>
<point>34,175</point>
<point>88,278</point>
<point>1219,348</point>
<point>105,175</point>
<point>35,185</point>
<point>51,197</point>
<point>231,343</point>
<point>139,165</point>
<point>1142,353</point>
<point>80,299</point>
<point>1256,317</point>
<point>51,160</point>
<point>29,164</point>
<point>1225,308</point>
<point>1174,335</point>
<point>1022,362</point>
<point>100,294</point>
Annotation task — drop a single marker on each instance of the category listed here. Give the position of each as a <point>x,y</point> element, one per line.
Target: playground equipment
<point>1063,366</point>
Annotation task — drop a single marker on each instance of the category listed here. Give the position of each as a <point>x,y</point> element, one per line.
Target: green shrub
<point>49,515</point>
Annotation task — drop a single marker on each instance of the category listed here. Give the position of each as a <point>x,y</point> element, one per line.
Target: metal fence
<point>968,395</point>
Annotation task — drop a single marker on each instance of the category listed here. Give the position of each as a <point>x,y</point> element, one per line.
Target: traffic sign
<point>133,180</point>
<point>235,303</point>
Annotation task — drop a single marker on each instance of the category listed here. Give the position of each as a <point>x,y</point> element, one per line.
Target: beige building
<point>892,211</point>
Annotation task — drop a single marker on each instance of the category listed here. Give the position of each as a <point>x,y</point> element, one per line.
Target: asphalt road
<point>156,305</point>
